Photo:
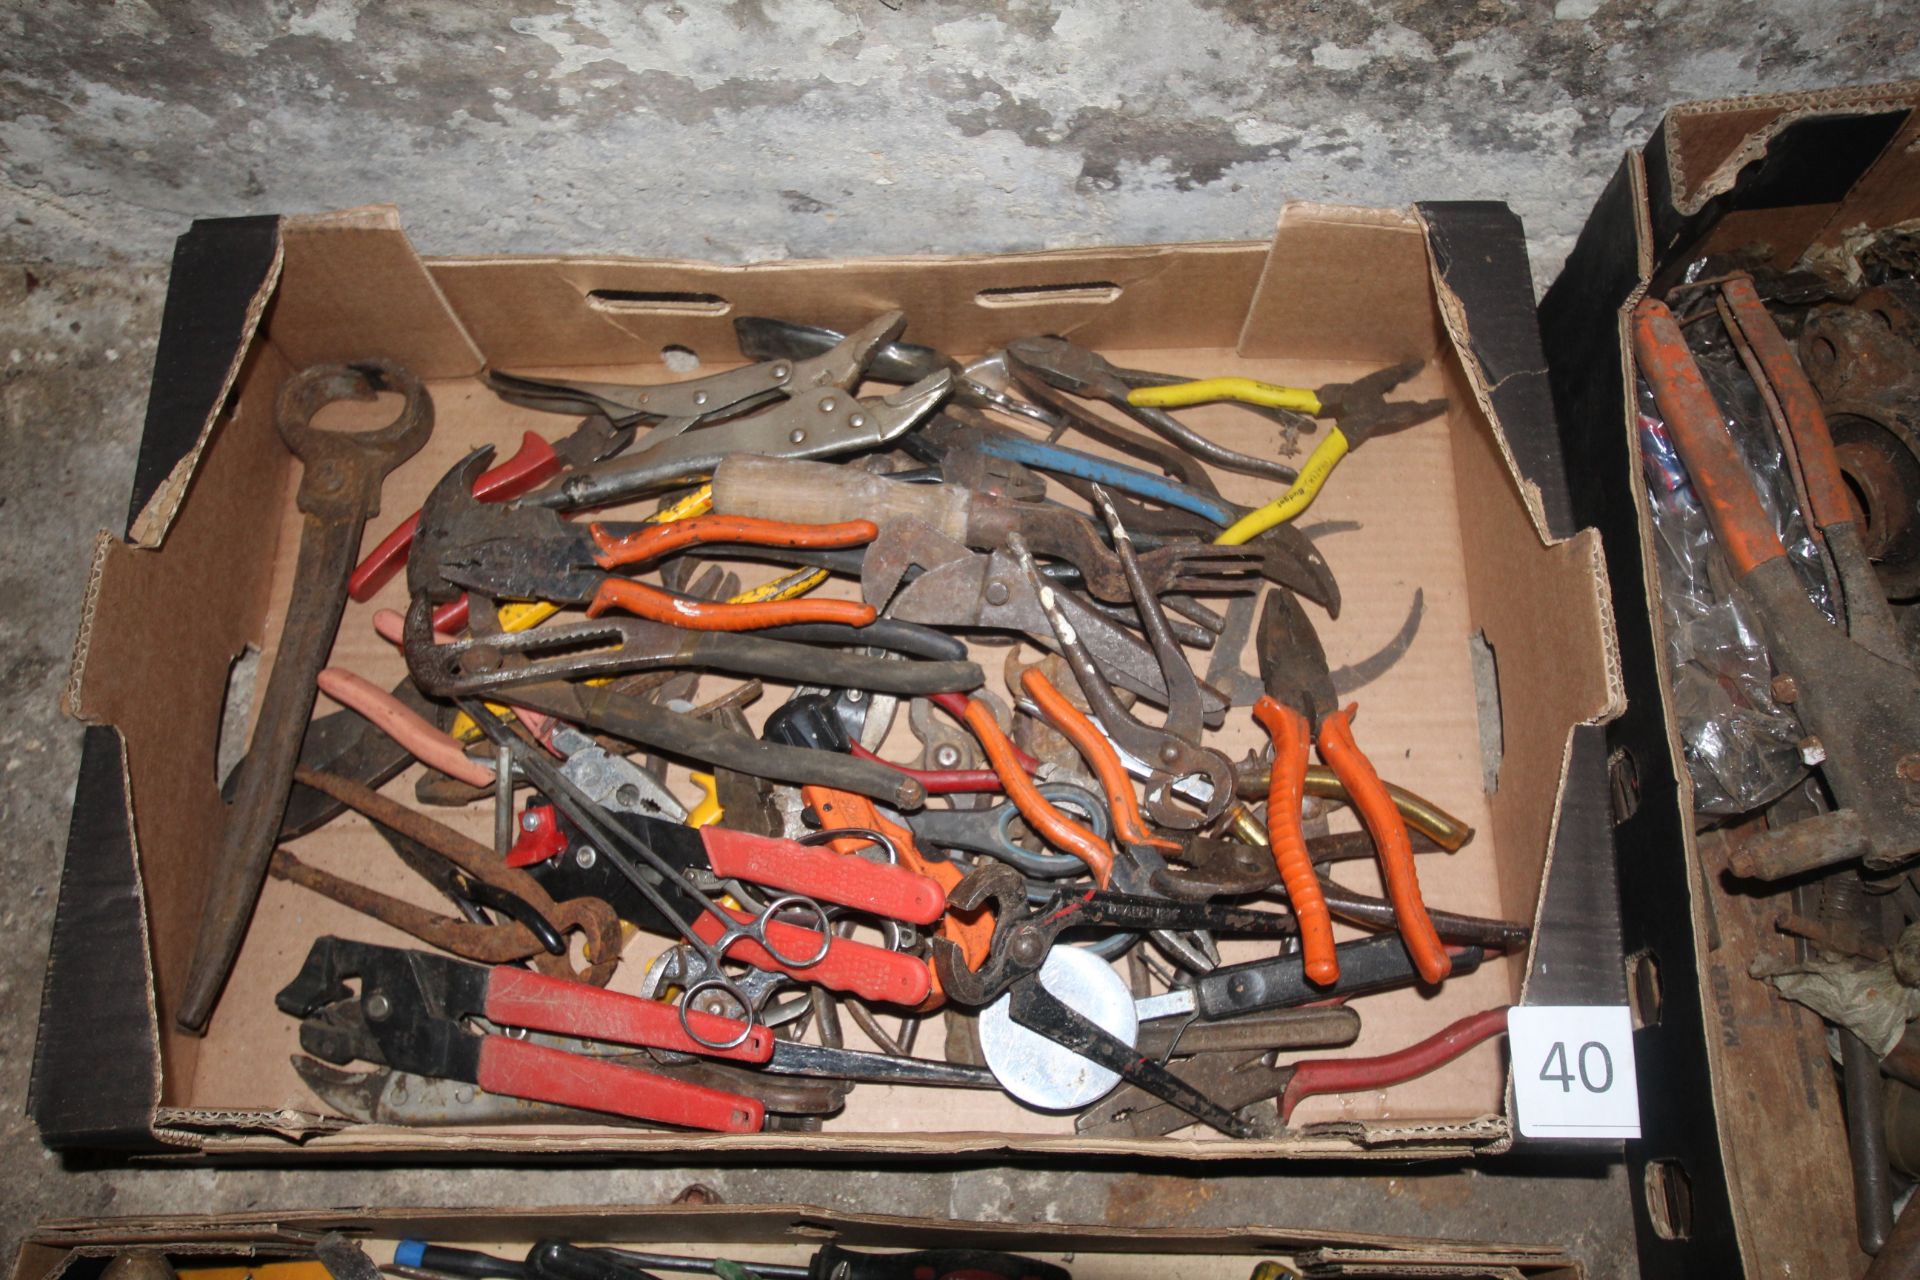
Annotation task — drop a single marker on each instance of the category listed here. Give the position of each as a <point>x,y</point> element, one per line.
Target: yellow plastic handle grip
<point>1320,464</point>
<point>1208,390</point>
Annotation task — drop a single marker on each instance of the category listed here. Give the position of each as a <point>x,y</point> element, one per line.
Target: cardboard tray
<point>77,1250</point>
<point>1472,510</point>
<point>1760,1178</point>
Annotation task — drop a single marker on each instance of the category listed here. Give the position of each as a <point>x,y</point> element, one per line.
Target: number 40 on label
<point>1573,1072</point>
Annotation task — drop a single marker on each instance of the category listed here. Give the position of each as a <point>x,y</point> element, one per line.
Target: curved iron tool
<point>340,478</point>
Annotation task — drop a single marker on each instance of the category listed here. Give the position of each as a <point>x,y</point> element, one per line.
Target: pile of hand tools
<point>1049,883</point>
<point>1780,428</point>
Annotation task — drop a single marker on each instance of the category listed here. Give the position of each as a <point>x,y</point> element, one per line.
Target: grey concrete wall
<point>773,128</point>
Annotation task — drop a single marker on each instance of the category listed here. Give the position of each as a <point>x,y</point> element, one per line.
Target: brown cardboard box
<point>1759,1179</point>
<point>786,1234</point>
<point>1470,511</point>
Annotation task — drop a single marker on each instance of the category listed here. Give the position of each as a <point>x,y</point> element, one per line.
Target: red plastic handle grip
<point>1348,1075</point>
<point>531,466</point>
<point>891,891</point>
<point>517,1069</point>
<point>870,972</point>
<point>523,998</point>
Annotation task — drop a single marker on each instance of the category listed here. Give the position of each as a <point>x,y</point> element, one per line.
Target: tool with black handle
<point>558,1260</point>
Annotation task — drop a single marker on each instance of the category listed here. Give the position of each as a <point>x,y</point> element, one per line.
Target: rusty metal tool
<point>467,869</point>
<point>551,848</point>
<point>1862,709</point>
<point>1171,750</point>
<point>413,1010</point>
<point>677,406</point>
<point>340,479</point>
<point>1021,940</point>
<point>533,464</point>
<point>1300,708</point>
<point>1072,368</point>
<point>1835,511</point>
<point>964,589</point>
<point>1191,509</point>
<point>813,493</point>
<point>527,553</point>
<point>822,423</point>
<point>1237,1080</point>
<point>669,905</point>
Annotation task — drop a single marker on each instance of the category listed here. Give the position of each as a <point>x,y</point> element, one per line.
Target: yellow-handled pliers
<point>1359,411</point>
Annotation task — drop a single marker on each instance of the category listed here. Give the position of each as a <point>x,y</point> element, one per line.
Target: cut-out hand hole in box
<point>1093,292</point>
<point>658,302</point>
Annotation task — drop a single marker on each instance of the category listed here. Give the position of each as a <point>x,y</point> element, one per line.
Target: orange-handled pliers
<point>971,932</point>
<point>1129,825</point>
<point>539,556</point>
<point>1299,705</point>
<point>1007,760</point>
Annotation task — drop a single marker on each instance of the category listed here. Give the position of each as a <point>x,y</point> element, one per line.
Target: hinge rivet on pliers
<point>377,1007</point>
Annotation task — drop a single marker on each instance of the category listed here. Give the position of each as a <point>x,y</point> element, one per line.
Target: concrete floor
<point>742,131</point>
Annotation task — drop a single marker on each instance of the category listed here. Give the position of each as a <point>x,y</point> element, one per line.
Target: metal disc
<point>1041,1073</point>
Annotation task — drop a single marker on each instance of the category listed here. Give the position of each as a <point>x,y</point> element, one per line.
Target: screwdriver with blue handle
<point>1359,411</point>
<point>558,1260</point>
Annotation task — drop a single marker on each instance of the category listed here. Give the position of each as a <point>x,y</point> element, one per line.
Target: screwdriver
<point>557,1260</point>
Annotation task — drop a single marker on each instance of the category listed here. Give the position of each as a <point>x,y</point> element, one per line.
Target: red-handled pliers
<point>532,554</point>
<point>532,465</point>
<point>1300,704</point>
<point>413,1012</point>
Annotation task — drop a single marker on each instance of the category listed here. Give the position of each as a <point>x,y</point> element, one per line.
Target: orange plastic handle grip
<point>656,605</point>
<point>1375,804</point>
<point>972,933</point>
<point>660,539</point>
<point>1052,824</point>
<point>1128,822</point>
<point>1286,792</point>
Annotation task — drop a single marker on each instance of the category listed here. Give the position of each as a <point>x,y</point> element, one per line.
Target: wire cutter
<point>413,1009</point>
<point>528,553</point>
<point>1021,939</point>
<point>1069,367</point>
<point>1300,708</point>
<point>1359,410</point>
<point>1171,751</point>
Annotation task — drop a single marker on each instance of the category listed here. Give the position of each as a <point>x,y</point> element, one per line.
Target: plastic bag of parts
<point>1741,745</point>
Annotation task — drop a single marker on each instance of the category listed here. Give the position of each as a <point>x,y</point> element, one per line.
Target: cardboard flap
<point>352,287</point>
<point>1379,313</point>
<point>1709,142</point>
<point>224,270</point>
<point>561,312</point>
<point>160,630</point>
